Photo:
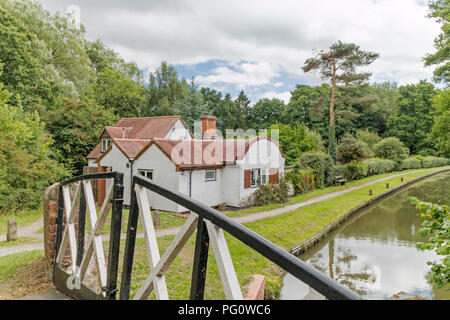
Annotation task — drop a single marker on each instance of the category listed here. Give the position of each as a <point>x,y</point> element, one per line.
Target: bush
<point>356,170</point>
<point>271,193</point>
<point>430,162</point>
<point>350,149</point>
<point>302,180</point>
<point>411,163</point>
<point>322,166</point>
<point>369,138</point>
<point>339,170</point>
<point>391,148</point>
<point>379,166</point>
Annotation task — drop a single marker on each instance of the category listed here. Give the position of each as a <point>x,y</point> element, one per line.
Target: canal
<point>374,253</point>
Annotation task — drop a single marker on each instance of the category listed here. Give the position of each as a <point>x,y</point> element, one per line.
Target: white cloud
<point>283,96</point>
<point>274,35</point>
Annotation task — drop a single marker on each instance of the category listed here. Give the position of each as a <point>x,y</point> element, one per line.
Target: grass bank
<point>22,218</point>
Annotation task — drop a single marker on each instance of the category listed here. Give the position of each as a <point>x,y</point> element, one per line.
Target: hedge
<point>379,166</point>
<point>302,180</point>
<point>322,166</point>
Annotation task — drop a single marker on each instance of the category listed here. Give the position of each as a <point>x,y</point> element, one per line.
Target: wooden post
<point>401,179</point>
<point>387,185</point>
<point>12,230</point>
<point>156,218</point>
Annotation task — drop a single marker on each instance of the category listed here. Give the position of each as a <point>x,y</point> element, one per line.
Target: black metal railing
<point>60,276</point>
<point>318,281</point>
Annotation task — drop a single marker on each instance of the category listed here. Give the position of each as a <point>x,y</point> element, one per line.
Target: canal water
<point>374,254</point>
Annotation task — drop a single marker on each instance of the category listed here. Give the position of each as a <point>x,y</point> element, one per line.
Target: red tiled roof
<point>131,147</point>
<point>95,153</point>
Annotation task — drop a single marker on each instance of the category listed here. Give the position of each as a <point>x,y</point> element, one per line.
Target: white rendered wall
<point>263,154</point>
<point>231,185</point>
<point>164,173</point>
<point>178,132</point>
<point>118,162</point>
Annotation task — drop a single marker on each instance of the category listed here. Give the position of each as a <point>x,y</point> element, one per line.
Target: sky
<point>258,46</point>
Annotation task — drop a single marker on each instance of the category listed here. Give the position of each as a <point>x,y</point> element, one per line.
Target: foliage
<point>75,127</point>
<point>440,132</point>
<point>430,162</point>
<point>440,11</point>
<point>266,112</point>
<point>350,149</point>
<point>390,148</point>
<point>271,193</point>
<point>25,164</point>
<point>302,180</point>
<point>338,65</point>
<point>379,166</point>
<point>412,120</point>
<point>293,141</point>
<point>355,170</point>
<point>191,106</point>
<point>322,166</point>
<point>411,163</point>
<point>436,227</point>
<point>339,170</point>
<point>369,138</point>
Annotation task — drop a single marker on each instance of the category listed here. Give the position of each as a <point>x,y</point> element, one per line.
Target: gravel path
<point>30,230</point>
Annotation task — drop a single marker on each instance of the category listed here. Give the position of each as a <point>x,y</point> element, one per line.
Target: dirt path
<point>30,230</point>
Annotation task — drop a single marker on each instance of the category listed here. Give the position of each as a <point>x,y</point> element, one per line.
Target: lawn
<point>22,218</point>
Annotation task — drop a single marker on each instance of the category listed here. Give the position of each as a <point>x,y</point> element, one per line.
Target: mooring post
<point>156,218</point>
<point>387,185</point>
<point>370,192</point>
<point>401,179</point>
<point>11,234</point>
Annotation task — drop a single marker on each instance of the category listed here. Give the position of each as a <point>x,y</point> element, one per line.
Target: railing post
<point>200,261</point>
<point>59,222</point>
<point>129,246</point>
<point>114,239</point>
<point>81,225</point>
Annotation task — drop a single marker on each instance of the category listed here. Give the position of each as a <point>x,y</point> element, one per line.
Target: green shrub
<point>322,166</point>
<point>379,166</point>
<point>430,162</point>
<point>271,193</point>
<point>350,149</point>
<point>356,170</point>
<point>369,138</point>
<point>302,180</point>
<point>411,163</point>
<point>339,170</point>
<point>391,148</point>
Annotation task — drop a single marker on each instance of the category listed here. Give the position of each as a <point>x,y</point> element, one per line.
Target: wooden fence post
<point>12,230</point>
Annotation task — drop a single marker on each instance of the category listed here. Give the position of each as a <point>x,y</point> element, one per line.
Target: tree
<point>367,137</point>
<point>412,120</point>
<point>339,66</point>
<point>440,132</point>
<point>26,167</point>
<point>240,112</point>
<point>440,11</point>
<point>266,112</point>
<point>391,148</point>
<point>293,141</point>
<point>436,228</point>
<point>191,106</point>
<point>75,126</point>
<point>350,149</point>
<point>164,88</point>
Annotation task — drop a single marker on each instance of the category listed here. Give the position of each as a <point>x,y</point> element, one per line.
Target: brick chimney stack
<point>208,126</point>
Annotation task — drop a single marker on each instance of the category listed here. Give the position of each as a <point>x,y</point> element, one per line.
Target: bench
<point>339,180</point>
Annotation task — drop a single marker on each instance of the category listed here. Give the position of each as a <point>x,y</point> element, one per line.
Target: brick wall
<point>50,216</point>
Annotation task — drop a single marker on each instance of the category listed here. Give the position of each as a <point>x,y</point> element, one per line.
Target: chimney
<point>208,127</point>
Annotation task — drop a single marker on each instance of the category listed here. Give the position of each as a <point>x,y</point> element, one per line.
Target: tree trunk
<point>332,131</point>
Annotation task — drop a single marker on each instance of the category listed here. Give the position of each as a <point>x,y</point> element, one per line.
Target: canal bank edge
<point>322,235</point>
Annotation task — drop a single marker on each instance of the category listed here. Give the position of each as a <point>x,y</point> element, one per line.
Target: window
<point>210,175</point>
<point>264,176</point>
<point>106,143</point>
<point>255,179</point>
<point>146,173</point>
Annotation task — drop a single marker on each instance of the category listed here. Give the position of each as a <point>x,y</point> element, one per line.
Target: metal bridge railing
<point>210,225</point>
<point>75,249</point>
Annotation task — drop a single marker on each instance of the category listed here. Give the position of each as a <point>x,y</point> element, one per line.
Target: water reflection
<point>374,254</point>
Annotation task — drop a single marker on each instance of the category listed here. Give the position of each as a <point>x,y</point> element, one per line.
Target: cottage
<point>210,169</point>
